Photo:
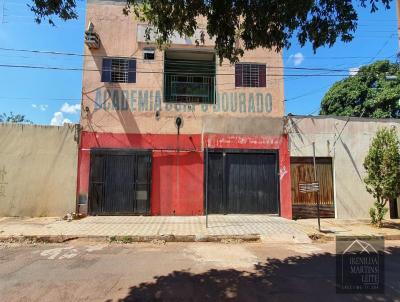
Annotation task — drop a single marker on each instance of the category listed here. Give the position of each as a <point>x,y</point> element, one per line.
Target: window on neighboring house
<point>189,76</point>
<point>250,75</point>
<point>118,70</point>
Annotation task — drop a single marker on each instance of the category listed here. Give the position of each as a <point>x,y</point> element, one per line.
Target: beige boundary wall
<point>38,169</point>
<point>347,141</point>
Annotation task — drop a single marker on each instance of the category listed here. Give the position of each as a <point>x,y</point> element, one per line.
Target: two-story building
<point>174,132</point>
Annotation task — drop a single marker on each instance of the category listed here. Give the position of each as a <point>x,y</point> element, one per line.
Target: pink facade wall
<point>139,101</point>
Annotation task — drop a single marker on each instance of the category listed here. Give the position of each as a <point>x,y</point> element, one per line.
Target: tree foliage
<point>269,24</point>
<point>369,93</point>
<point>14,118</point>
<point>382,165</point>
<point>47,9</point>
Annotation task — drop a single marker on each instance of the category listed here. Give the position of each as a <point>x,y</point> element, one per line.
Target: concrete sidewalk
<point>168,228</point>
<point>331,227</point>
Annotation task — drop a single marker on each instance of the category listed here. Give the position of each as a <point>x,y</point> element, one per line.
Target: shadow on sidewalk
<point>310,278</point>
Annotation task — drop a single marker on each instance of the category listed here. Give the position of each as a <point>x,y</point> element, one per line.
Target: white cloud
<point>59,120</point>
<point>353,71</point>
<point>297,58</point>
<point>71,109</point>
<point>41,107</point>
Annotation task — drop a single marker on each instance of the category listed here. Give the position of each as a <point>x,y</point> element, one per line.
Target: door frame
<point>119,151</point>
<point>242,151</point>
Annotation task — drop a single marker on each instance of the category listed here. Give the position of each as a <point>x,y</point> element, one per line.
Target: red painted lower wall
<point>177,183</point>
<point>178,177</point>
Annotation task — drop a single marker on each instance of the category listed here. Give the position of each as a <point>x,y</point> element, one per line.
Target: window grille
<point>250,75</point>
<point>119,70</point>
<point>189,81</point>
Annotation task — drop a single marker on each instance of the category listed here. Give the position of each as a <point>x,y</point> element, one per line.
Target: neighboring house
<point>173,132</point>
<point>341,145</point>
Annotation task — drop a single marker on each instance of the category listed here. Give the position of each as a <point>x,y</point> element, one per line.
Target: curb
<point>186,238</point>
<point>392,237</point>
<point>133,239</point>
<point>37,239</point>
<point>315,237</point>
<point>322,237</point>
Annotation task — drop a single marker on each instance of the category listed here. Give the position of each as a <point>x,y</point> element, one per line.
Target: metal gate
<point>241,182</point>
<point>119,182</point>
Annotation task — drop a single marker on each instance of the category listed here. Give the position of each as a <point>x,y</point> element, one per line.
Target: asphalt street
<point>97,271</point>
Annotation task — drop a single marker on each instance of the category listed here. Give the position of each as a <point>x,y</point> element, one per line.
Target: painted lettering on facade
<point>216,141</point>
<point>152,101</point>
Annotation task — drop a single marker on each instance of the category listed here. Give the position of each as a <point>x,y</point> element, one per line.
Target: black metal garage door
<point>242,182</point>
<point>119,182</point>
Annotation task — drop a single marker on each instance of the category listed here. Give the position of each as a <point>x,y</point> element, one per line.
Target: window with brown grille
<point>250,75</point>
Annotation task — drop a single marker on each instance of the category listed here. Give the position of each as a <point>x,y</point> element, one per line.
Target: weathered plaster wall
<point>38,166</point>
<point>347,141</point>
<point>138,102</point>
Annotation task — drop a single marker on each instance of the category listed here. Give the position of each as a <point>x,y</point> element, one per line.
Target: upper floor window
<point>250,75</point>
<point>189,76</point>
<point>118,70</point>
<point>149,53</point>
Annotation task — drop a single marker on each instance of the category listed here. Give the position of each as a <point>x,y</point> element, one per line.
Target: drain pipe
<point>206,186</point>
<point>178,124</point>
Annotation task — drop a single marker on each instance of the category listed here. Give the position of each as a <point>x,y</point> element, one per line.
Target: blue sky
<point>46,95</point>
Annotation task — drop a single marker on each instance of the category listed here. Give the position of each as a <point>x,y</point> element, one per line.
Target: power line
<point>39,98</point>
<point>308,93</point>
<point>317,90</point>
<point>160,72</point>
<point>381,49</point>
<point>49,52</point>
<point>177,63</point>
